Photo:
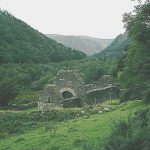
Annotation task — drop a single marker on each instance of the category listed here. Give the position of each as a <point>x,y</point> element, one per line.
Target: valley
<point>60,92</point>
<point>88,45</point>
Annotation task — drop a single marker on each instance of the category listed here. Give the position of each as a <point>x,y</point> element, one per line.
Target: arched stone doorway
<point>67,93</point>
<point>69,98</point>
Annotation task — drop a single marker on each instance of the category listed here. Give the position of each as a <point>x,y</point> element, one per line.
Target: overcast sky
<point>97,18</point>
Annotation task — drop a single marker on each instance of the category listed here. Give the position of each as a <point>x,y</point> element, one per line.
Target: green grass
<point>30,110</point>
<point>72,135</point>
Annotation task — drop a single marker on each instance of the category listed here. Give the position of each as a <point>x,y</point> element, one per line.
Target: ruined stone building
<point>69,90</point>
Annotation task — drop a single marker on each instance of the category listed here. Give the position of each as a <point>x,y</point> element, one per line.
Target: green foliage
<point>78,142</point>
<point>29,60</point>
<point>92,133</point>
<point>93,69</point>
<point>17,123</point>
<point>116,48</point>
<point>147,96</point>
<point>134,76</point>
<point>8,90</point>
<point>51,127</point>
<point>22,44</point>
<point>95,146</point>
<point>131,134</point>
<point>21,83</point>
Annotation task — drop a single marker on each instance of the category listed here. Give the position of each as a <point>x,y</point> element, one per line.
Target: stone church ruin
<point>69,90</point>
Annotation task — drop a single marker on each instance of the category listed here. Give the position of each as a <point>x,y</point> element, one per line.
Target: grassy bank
<point>71,134</point>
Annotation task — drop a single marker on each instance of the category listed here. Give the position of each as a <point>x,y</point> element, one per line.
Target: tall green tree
<point>135,77</point>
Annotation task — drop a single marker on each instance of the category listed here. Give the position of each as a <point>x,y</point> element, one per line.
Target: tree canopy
<point>135,75</point>
<point>19,43</point>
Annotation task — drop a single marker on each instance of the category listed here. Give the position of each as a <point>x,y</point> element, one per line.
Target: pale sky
<point>97,18</point>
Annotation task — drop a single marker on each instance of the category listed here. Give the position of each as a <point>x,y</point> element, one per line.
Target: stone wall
<point>71,81</point>
<point>104,81</point>
<point>68,81</point>
<point>99,95</point>
<point>69,90</point>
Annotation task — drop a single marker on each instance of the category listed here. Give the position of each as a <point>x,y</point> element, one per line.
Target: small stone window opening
<point>49,100</point>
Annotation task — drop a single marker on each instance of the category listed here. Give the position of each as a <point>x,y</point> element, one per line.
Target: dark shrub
<point>131,134</point>
<point>12,123</point>
<point>147,96</point>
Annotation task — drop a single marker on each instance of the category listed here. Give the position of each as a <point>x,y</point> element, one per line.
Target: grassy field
<point>73,134</point>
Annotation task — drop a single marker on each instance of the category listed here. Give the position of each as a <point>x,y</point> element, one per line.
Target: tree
<point>135,75</point>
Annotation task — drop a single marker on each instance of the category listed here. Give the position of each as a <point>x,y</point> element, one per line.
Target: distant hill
<point>116,49</point>
<point>19,43</point>
<point>88,45</point>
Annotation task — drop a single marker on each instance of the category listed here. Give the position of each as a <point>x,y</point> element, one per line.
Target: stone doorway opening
<point>67,94</point>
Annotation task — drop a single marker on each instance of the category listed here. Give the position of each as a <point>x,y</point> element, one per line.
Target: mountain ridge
<point>86,44</point>
<point>116,48</point>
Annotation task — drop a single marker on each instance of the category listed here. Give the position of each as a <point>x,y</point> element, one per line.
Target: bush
<point>95,146</point>
<point>12,123</point>
<point>147,97</point>
<point>3,135</point>
<point>71,129</point>
<point>131,134</point>
<point>23,106</point>
<point>78,141</point>
<point>132,93</point>
<point>51,127</point>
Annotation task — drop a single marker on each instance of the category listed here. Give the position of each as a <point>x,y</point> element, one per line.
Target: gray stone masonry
<point>68,86</point>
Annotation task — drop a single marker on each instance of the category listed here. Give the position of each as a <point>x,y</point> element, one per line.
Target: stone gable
<point>69,90</point>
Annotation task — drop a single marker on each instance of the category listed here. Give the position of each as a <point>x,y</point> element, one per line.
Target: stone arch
<point>67,93</point>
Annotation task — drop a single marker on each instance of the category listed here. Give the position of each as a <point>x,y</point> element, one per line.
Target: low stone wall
<point>46,106</point>
<point>100,95</point>
<point>72,102</point>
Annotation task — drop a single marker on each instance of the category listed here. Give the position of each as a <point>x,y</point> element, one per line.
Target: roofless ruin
<point>69,90</point>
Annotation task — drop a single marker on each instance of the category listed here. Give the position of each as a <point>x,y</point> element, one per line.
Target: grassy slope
<point>73,135</point>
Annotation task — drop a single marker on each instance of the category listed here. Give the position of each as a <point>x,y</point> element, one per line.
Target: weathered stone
<point>100,111</point>
<point>67,86</point>
<point>106,109</point>
<point>69,90</point>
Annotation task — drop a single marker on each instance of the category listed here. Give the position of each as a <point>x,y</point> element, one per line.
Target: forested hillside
<point>23,53</point>
<point>86,44</point>
<point>29,60</point>
<point>21,83</point>
<point>19,43</point>
<point>116,49</point>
